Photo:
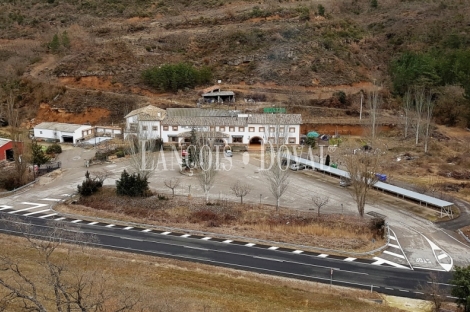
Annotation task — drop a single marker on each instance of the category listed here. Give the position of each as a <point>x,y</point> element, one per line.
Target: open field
<point>171,285</point>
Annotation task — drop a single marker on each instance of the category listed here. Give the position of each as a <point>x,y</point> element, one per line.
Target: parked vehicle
<point>344,182</point>
<point>296,167</point>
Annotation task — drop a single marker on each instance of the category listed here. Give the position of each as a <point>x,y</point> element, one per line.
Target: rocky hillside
<point>80,55</point>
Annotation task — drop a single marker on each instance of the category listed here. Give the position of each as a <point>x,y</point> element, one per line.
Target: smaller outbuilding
<point>215,95</point>
<point>6,149</point>
<point>61,132</point>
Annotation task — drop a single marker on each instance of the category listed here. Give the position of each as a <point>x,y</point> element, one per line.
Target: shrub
<point>132,185</point>
<point>321,10</point>
<point>54,149</point>
<point>120,154</point>
<point>89,186</point>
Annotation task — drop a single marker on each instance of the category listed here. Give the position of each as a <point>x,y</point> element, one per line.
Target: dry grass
<point>171,285</point>
<point>351,233</point>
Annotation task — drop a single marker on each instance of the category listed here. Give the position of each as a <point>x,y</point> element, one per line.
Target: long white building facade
<point>222,127</point>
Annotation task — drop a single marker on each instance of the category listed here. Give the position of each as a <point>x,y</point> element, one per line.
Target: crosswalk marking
<point>392,237</point>
<point>322,256</point>
<point>206,238</point>
<point>110,225</point>
<point>128,228</point>
<point>185,235</point>
<point>147,230</point>
<point>34,206</point>
<point>166,233</point>
<point>36,212</point>
<point>227,241</point>
<point>47,216</point>
<point>273,248</point>
<point>349,259</point>
<point>298,251</point>
<point>380,261</point>
<point>93,223</point>
<point>394,246</point>
<point>250,245</point>
<point>76,221</point>
<point>394,254</point>
<point>4,207</point>
<point>59,219</point>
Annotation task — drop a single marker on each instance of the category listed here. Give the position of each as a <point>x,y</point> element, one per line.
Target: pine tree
<point>39,157</point>
<point>54,45</point>
<point>65,40</point>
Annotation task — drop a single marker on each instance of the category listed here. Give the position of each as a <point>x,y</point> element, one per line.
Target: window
<point>281,129</point>
<point>165,128</point>
<point>231,129</point>
<point>292,130</point>
<point>261,129</point>
<point>271,139</point>
<point>237,140</point>
<point>144,128</point>
<point>212,129</point>
<point>40,132</point>
<point>133,127</point>
<point>154,128</point>
<point>292,140</point>
<point>241,129</point>
<point>271,129</point>
<point>173,139</point>
<point>251,129</point>
<point>221,128</point>
<point>175,128</point>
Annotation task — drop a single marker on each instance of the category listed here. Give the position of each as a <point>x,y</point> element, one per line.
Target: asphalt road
<point>387,280</point>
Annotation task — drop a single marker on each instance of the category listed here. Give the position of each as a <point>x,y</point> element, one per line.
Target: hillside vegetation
<point>297,52</point>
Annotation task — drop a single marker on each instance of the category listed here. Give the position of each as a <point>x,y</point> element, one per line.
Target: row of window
<point>240,140</point>
<point>222,128</point>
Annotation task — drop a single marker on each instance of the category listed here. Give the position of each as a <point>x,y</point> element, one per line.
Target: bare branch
<point>240,190</point>
<point>278,181</point>
<point>172,184</point>
<point>320,201</point>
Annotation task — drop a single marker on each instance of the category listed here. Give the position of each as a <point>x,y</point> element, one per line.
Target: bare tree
<point>101,175</point>
<point>374,106</point>
<point>320,202</point>
<point>208,170</point>
<point>419,104</point>
<point>278,181</point>
<point>362,167</point>
<point>433,292</point>
<point>172,184</point>
<point>407,107</point>
<point>240,189</point>
<point>65,286</point>
<point>142,151</point>
<point>428,108</point>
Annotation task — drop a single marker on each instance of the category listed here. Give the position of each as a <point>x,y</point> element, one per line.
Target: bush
<point>89,186</point>
<point>173,77</point>
<point>132,185</point>
<point>54,149</point>
<point>120,154</point>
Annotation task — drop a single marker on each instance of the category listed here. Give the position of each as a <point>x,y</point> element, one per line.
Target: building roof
<point>198,112</point>
<point>220,93</point>
<point>4,141</point>
<point>148,112</point>
<point>64,127</point>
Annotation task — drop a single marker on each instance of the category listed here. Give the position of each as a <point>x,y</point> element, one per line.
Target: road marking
<point>147,230</point>
<point>434,247</point>
<point>388,288</point>
<point>206,238</point>
<point>394,246</point>
<point>110,225</point>
<point>34,206</point>
<point>59,219</point>
<point>47,216</point>
<point>349,259</point>
<point>418,292</point>
<point>380,261</point>
<point>4,207</point>
<point>228,241</point>
<point>128,228</point>
<point>298,251</point>
<point>323,256</point>
<point>52,199</point>
<point>394,254</point>
<point>93,223</point>
<point>392,237</point>
<point>250,245</point>
<point>442,256</point>
<point>65,195</point>
<point>185,235</point>
<point>403,290</point>
<point>35,212</point>
<point>166,233</point>
<point>76,221</point>
<point>273,248</point>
